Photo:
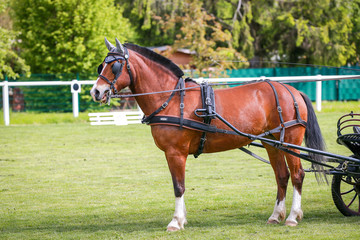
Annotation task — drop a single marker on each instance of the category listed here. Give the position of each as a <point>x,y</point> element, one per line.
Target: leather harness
<point>207,112</point>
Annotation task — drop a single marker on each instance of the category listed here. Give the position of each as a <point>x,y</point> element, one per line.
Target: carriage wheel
<point>346,194</point>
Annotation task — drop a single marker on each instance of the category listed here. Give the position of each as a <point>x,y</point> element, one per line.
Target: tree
<point>144,16</point>
<point>67,36</point>
<point>317,32</point>
<point>11,64</point>
<point>355,34</point>
<point>202,34</point>
<point>306,31</point>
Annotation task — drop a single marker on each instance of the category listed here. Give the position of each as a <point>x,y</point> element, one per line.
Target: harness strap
<point>208,102</point>
<point>165,104</point>
<point>283,125</point>
<point>278,107</point>
<point>188,123</point>
<point>127,55</point>
<point>182,94</point>
<point>298,117</point>
<point>279,128</point>
<point>201,145</point>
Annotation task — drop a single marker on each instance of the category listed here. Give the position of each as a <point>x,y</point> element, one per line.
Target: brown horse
<point>250,108</point>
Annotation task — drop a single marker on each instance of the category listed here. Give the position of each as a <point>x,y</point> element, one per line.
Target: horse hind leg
<point>278,164</point>
<point>297,178</point>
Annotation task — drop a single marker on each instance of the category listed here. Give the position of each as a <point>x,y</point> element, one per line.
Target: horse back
<point>253,106</point>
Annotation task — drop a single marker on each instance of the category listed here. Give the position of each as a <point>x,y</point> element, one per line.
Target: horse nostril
<point>97,94</point>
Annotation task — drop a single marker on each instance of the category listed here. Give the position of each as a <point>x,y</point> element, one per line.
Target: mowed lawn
<point>76,181</point>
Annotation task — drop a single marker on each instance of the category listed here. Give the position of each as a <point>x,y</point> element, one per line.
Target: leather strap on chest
<point>180,85</point>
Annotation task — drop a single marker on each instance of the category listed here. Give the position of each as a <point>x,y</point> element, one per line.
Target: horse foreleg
<point>278,164</point>
<point>176,164</point>
<point>297,178</point>
<point>179,219</point>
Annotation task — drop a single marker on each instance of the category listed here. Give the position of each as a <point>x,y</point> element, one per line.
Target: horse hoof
<point>172,229</point>
<point>291,223</point>
<point>272,221</point>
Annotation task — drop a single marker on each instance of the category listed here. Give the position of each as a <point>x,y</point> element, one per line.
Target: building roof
<point>167,47</point>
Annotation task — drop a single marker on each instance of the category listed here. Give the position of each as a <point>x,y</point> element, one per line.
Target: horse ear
<point>109,46</point>
<point>119,47</point>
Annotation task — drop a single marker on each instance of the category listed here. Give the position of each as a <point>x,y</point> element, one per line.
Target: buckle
<point>164,105</point>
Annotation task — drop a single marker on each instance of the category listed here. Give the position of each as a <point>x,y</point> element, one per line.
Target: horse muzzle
<point>99,93</point>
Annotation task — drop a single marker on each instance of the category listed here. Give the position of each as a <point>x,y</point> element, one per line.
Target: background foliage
<point>67,36</point>
<point>11,64</point>
<point>305,31</point>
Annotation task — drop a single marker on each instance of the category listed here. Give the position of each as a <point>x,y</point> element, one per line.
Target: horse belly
<point>224,142</point>
<point>245,110</point>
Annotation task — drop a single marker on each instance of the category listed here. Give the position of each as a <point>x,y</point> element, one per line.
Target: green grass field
<point>61,179</point>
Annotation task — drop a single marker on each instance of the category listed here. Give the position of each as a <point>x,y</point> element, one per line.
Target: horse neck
<point>151,77</point>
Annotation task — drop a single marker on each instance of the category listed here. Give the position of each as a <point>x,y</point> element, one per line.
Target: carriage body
<point>345,186</point>
<point>351,140</point>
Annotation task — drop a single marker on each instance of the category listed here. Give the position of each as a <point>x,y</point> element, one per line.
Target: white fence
<point>116,118</point>
<point>75,87</point>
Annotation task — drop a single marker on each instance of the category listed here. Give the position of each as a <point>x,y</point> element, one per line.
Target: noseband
<point>116,68</point>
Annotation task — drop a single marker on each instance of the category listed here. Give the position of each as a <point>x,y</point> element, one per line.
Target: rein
<point>178,90</point>
<point>150,93</point>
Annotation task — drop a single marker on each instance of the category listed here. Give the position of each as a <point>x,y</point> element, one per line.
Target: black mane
<point>156,58</point>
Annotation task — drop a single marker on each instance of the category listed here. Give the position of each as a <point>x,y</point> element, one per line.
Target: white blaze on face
<point>101,89</point>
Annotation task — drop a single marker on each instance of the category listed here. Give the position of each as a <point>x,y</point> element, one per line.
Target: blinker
<point>117,67</point>
<point>100,68</point>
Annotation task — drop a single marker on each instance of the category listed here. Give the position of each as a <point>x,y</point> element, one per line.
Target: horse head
<point>110,79</point>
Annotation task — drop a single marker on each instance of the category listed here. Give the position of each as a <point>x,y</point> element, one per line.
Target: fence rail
<point>75,87</point>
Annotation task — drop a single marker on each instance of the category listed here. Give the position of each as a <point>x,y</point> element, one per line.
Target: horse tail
<point>314,139</point>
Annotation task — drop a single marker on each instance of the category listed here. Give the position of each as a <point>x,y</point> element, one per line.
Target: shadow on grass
<point>148,221</point>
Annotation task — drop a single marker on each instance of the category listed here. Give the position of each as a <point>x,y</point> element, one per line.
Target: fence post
<point>75,89</point>
<point>318,92</point>
<point>6,108</point>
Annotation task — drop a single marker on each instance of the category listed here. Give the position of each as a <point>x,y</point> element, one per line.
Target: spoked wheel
<point>346,194</point>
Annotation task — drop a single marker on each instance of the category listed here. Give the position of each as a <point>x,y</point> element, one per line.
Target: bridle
<point>117,68</point>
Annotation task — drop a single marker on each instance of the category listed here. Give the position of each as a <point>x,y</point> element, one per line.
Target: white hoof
<point>293,217</point>
<point>176,224</point>
<point>273,221</point>
<point>291,223</point>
